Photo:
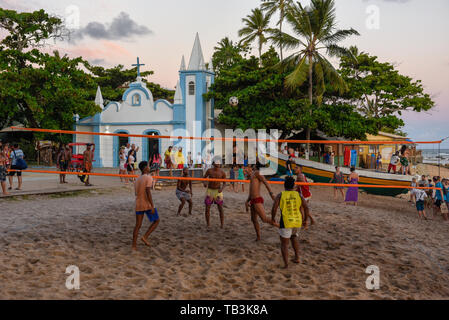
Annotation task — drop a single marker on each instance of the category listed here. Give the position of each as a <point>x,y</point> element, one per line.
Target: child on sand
<point>232,177</point>
<point>293,210</point>
<point>184,194</point>
<point>241,176</point>
<point>144,204</point>
<point>412,192</point>
<point>420,197</point>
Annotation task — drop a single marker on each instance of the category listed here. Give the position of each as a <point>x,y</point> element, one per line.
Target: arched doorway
<point>150,146</point>
<point>119,142</point>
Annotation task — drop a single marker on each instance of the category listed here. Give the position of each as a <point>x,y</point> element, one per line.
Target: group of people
<point>292,202</point>
<point>431,199</point>
<point>400,158</point>
<point>9,158</point>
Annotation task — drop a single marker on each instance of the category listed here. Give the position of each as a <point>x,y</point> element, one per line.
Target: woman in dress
<point>352,195</point>
<point>338,178</point>
<point>122,162</point>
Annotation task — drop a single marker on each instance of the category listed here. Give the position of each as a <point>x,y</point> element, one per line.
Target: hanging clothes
<point>347,157</point>
<point>353,158</point>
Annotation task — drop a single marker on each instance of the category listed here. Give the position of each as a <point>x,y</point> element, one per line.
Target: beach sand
<point>42,235</point>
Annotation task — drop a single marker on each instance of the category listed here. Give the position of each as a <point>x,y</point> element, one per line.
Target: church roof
<point>183,64</point>
<point>196,58</point>
<point>178,93</point>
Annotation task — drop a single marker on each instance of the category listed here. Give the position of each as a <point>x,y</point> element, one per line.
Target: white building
<point>138,113</point>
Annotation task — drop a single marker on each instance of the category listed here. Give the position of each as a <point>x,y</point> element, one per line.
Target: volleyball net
<point>143,141</point>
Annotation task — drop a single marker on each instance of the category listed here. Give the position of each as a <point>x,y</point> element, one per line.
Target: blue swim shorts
<point>420,205</point>
<point>153,217</point>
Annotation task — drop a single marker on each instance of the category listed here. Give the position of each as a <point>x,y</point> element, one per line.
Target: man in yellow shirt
<point>293,210</point>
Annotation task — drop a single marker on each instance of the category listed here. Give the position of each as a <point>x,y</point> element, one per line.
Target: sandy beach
<point>42,235</point>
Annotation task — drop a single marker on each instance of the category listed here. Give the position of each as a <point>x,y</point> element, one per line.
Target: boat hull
<point>323,173</point>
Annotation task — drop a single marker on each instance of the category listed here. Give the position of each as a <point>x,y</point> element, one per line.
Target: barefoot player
<point>144,204</point>
<point>184,194</point>
<point>255,200</point>
<point>293,210</point>
<point>214,193</point>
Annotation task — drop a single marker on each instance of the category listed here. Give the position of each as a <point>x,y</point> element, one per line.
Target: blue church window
<point>136,100</point>
<point>191,88</point>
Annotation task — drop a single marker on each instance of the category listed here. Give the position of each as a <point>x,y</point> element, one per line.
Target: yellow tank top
<point>290,205</point>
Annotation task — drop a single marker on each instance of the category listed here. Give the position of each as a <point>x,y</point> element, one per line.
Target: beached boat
<point>323,173</point>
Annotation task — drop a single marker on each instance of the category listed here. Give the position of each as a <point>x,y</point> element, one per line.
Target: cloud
<point>121,27</point>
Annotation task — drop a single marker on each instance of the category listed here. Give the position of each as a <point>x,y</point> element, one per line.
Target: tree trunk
<point>260,52</point>
<point>280,31</point>
<point>308,130</point>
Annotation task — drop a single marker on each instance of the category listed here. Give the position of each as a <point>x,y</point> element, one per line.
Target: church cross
<point>138,66</point>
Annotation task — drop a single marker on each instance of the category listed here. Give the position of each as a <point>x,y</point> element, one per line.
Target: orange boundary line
<point>226,180</point>
<point>226,139</point>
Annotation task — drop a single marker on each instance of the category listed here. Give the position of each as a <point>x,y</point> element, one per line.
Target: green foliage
<point>265,103</point>
<point>113,82</point>
<point>226,54</point>
<point>29,29</point>
<point>378,90</point>
<point>256,28</point>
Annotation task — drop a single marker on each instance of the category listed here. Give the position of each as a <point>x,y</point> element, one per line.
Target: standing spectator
<point>122,164</point>
<point>338,178</point>
<point>394,162</point>
<point>133,147</point>
<point>3,174</point>
<point>405,165</point>
<point>88,157</point>
<point>439,197</point>
<point>379,162</point>
<point>198,160</point>
<point>232,177</point>
<point>131,163</point>
<point>179,158</point>
<point>15,155</point>
<point>289,167</point>
<point>62,163</point>
<point>297,152</point>
<point>352,194</point>
<point>155,165</point>
<point>167,158</point>
<point>189,160</point>
<point>127,149</point>
<point>241,176</point>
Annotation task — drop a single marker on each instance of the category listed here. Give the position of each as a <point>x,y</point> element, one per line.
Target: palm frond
<point>299,75</point>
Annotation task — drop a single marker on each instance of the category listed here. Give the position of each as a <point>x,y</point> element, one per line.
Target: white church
<point>138,113</point>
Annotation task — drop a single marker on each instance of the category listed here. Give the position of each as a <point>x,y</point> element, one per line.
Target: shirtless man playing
<point>184,194</point>
<point>214,193</point>
<point>88,156</point>
<point>255,201</point>
<point>144,204</point>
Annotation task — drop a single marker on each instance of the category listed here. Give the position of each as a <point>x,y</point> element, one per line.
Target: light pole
<point>439,156</point>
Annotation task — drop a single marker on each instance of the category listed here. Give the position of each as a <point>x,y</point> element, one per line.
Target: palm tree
<point>226,53</point>
<point>271,6</point>
<point>315,30</point>
<point>256,26</point>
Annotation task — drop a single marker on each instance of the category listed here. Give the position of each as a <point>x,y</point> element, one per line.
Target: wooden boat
<point>323,173</point>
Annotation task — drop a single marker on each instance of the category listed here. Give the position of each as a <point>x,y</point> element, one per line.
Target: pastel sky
<point>412,34</point>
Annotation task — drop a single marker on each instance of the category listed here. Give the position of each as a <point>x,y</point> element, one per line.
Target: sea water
<point>431,156</point>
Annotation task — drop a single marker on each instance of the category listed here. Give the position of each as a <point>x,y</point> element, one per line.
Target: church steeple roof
<point>183,64</point>
<point>178,93</point>
<point>99,98</point>
<point>196,58</point>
